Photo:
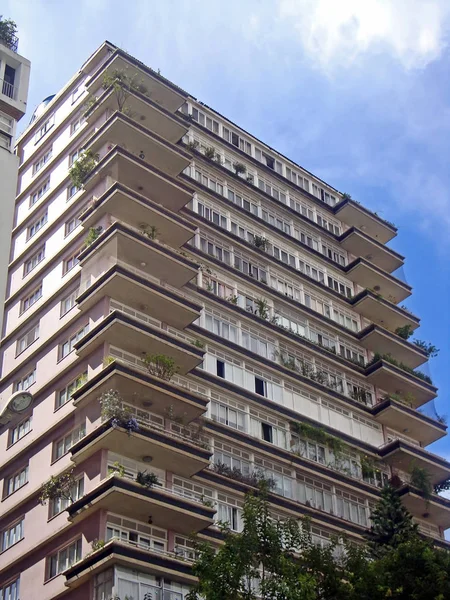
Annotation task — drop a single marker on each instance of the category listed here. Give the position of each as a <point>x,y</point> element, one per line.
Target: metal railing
<point>8,89</point>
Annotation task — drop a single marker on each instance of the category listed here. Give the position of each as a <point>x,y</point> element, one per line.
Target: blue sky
<point>356,92</point>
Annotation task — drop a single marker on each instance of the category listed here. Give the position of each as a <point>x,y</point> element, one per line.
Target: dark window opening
<point>267,432</point>
<point>220,369</point>
<point>259,386</point>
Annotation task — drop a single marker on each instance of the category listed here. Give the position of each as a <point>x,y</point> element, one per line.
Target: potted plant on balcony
<point>58,487</point>
<point>147,480</point>
<point>160,365</point>
<point>93,234</point>
<point>112,409</point>
<point>239,168</point>
<point>123,84</point>
<point>81,168</point>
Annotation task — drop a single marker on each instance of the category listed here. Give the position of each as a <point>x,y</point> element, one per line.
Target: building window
<point>75,125</point>
<point>74,156</point>
<point>41,191</point>
<point>44,129</point>
<point>69,345</point>
<point>6,124</point>
<point>71,261</point>
<point>15,482</point>
<point>68,302</point>
<point>64,558</point>
<point>71,191</point>
<point>25,382</point>
<point>42,161</point>
<point>31,299</point>
<point>71,226</point>
<point>59,504</point>
<point>220,369</point>
<point>10,591</point>
<point>37,225</point>
<point>65,394</point>
<point>19,431</point>
<point>32,262</point>
<point>63,445</point>
<point>77,93</point>
<point>5,140</point>
<point>26,340</point>
<point>260,386</point>
<point>12,535</point>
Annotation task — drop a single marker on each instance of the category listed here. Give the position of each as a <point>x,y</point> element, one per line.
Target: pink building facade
<point>222,304</point>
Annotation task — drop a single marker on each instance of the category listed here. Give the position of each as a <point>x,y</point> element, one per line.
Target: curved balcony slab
<point>129,134</point>
<point>367,275</point>
<point>358,243</point>
<point>143,110</point>
<point>378,310</point>
<point>115,552</point>
<point>130,499</point>
<point>120,165</point>
<point>125,205</point>
<point>355,215</point>
<point>380,340</point>
<point>160,89</point>
<point>168,451</point>
<point>122,284</point>
<point>121,243</point>
<point>135,336</point>
<point>138,388</point>
<point>435,510</point>
<point>401,455</point>
<point>408,421</point>
<point>394,380</point>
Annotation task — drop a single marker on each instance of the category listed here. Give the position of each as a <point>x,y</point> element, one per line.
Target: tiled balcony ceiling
<point>368,276</point>
<point>138,388</point>
<point>401,456</point>
<point>167,452</point>
<point>136,210</point>
<point>161,91</point>
<point>354,215</point>
<point>382,312</point>
<point>129,288</point>
<point>137,174</point>
<point>130,499</point>
<point>123,131</point>
<point>359,244</point>
<point>119,243</point>
<point>144,111</point>
<point>381,341</point>
<point>392,379</point>
<point>436,510</point>
<point>408,421</point>
<point>121,553</point>
<point>135,336</point>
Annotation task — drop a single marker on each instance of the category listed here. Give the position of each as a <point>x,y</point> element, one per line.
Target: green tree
<point>8,32</point>
<point>257,563</point>
<point>391,523</point>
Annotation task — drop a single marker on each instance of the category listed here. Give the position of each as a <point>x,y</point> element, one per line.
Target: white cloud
<point>339,32</point>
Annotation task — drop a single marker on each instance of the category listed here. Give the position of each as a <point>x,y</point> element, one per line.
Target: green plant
<point>420,479</point>
<point>8,33</point>
<point>90,102</point>
<point>107,360</point>
<point>255,478</point>
<point>93,234</point>
<point>232,299</point>
<point>81,168</point>
<point>149,230</point>
<point>58,487</point>
<point>123,83</point>
<point>209,153</point>
<point>239,168</point>
<point>192,145</point>
<point>97,544</point>
<point>405,332</point>
<point>368,468</point>
<point>319,435</point>
<point>147,480</point>
<point>346,196</point>
<point>430,350</point>
<point>260,242</point>
<point>117,468</point>
<point>160,365</point>
<point>198,344</point>
<point>389,358</point>
<point>262,308</point>
<point>206,501</point>
<point>443,486</point>
<point>408,399</point>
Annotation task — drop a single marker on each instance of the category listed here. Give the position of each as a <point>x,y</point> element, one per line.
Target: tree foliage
<point>277,560</point>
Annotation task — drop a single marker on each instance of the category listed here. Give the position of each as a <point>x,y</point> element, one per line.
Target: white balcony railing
<point>8,89</point>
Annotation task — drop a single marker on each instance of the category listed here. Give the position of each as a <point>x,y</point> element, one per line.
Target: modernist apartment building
<point>14,78</point>
<point>273,294</point>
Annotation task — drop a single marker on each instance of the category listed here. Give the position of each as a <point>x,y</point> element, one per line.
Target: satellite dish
<point>17,403</point>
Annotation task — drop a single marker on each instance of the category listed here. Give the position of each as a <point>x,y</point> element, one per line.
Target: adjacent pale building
<point>194,312</point>
<point>14,78</point>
